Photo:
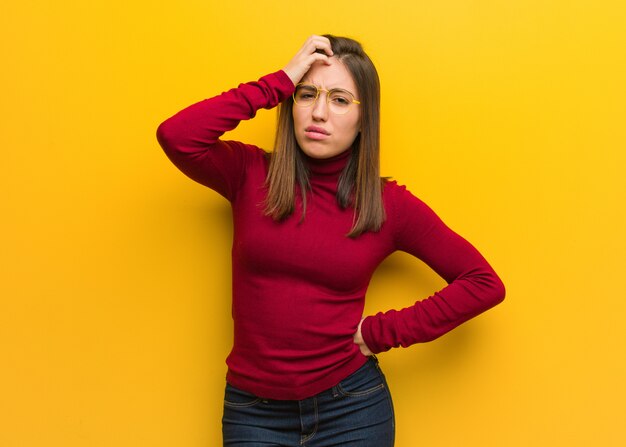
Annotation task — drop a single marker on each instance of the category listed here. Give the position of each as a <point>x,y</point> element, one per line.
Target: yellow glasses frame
<point>328,94</point>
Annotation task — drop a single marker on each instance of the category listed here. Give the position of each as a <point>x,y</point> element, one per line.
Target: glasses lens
<point>305,95</point>
<point>340,101</point>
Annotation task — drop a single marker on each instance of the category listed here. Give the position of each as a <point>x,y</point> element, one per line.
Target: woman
<point>312,221</point>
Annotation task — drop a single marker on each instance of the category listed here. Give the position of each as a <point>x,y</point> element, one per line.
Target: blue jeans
<point>357,412</point>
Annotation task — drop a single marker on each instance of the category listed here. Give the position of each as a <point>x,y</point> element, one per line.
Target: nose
<point>320,108</point>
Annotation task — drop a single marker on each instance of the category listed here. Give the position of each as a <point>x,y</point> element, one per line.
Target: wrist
<point>366,334</point>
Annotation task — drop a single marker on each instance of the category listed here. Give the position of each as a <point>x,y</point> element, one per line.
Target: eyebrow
<point>341,89</point>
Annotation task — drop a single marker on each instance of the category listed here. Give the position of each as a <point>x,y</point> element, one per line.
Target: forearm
<point>199,126</point>
<point>191,138</point>
<point>431,318</point>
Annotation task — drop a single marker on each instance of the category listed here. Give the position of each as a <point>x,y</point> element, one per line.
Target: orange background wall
<point>506,117</point>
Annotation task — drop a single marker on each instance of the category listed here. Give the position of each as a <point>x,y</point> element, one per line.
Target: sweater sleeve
<point>191,138</point>
<point>473,286</point>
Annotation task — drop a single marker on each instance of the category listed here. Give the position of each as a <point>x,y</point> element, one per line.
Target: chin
<point>315,154</point>
<point>320,151</point>
<point>319,154</point>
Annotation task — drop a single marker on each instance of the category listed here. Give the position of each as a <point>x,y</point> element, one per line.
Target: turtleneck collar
<point>332,166</point>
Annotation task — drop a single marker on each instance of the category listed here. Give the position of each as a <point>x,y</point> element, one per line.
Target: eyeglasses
<point>339,100</point>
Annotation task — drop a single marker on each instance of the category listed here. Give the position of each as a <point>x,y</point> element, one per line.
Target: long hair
<point>359,185</point>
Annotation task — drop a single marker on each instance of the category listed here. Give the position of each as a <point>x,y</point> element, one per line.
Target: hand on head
<point>306,56</point>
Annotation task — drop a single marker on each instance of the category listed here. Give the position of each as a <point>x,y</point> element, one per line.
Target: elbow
<point>498,291</point>
<point>490,289</point>
<point>172,136</point>
<point>165,136</point>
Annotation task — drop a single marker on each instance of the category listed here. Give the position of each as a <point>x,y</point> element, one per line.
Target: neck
<point>327,167</point>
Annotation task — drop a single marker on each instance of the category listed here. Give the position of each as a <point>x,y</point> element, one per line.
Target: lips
<point>316,130</point>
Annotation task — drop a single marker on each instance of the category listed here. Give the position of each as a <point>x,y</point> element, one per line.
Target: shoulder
<point>245,149</point>
<point>247,153</point>
<point>408,214</point>
<point>397,194</point>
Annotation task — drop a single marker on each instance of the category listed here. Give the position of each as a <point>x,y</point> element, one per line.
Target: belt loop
<point>335,392</point>
<point>375,361</point>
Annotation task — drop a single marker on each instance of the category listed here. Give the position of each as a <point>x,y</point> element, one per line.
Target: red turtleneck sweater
<point>299,287</point>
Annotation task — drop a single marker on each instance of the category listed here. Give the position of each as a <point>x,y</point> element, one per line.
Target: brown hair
<point>359,185</point>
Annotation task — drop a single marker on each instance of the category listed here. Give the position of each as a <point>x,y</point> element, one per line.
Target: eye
<point>305,93</point>
<point>341,99</point>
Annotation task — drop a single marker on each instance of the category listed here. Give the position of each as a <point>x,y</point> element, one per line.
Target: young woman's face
<point>320,133</point>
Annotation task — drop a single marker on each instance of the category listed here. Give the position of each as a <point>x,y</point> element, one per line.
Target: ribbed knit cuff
<point>368,337</point>
<point>285,84</point>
